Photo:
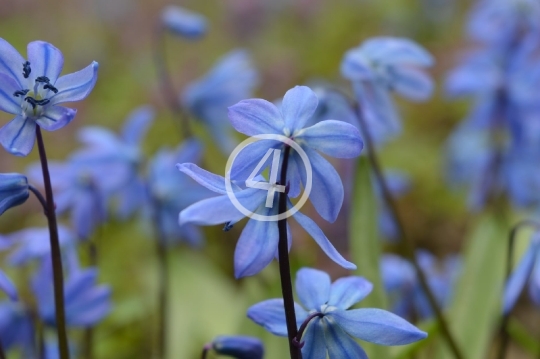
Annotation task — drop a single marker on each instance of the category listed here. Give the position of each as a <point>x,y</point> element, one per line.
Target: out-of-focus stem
<point>56,254</point>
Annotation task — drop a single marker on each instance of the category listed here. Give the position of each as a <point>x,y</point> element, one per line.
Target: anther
<point>48,86</point>
<point>228,226</point>
<point>43,79</point>
<point>32,101</point>
<point>20,93</point>
<point>26,69</point>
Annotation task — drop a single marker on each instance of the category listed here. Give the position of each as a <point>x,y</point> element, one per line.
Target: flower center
<point>34,101</point>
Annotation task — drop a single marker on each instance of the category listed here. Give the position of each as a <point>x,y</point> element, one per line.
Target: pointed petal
<point>220,209</point>
<point>11,63</point>
<point>7,286</point>
<point>317,234</point>
<point>412,83</point>
<point>99,137</point>
<point>76,86</point>
<point>18,136</point>
<point>299,104</point>
<point>534,282</point>
<point>189,151</point>
<point>339,344</point>
<point>91,308</point>
<point>45,60</point>
<point>256,247</point>
<point>518,278</point>
<point>250,156</point>
<point>377,326</point>
<point>256,116</point>
<point>207,179</point>
<point>346,292</point>
<point>376,99</point>
<point>56,117</point>
<point>313,339</point>
<point>137,124</point>
<point>8,102</point>
<point>327,190</point>
<point>270,314</point>
<point>333,138</point>
<point>312,287</point>
<point>397,51</point>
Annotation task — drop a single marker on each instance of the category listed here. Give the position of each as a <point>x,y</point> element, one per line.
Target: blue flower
<point>333,331</point>
<point>331,137</point>
<point>258,242</point>
<point>31,90</point>
<point>239,347</point>
<point>16,329</point>
<point>398,183</point>
<point>33,243</point>
<point>13,190</point>
<point>383,65</point>
<point>172,191</point>
<point>118,158</point>
<point>527,270</point>
<point>86,303</point>
<point>183,22</point>
<point>232,79</point>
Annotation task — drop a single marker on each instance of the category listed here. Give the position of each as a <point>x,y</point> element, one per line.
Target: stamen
<point>43,79</point>
<point>26,69</point>
<point>20,93</point>
<point>32,101</point>
<point>50,87</point>
<point>228,226</point>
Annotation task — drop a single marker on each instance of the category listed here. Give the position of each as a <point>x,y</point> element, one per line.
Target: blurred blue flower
<point>33,243</point>
<point>118,158</point>
<point>258,242</point>
<point>16,329</point>
<point>232,79</point>
<point>334,330</point>
<point>31,90</point>
<point>239,347</point>
<point>406,294</point>
<point>80,188</point>
<point>331,137</point>
<point>383,65</point>
<point>86,303</point>
<point>172,191</point>
<point>398,183</point>
<point>527,270</point>
<point>13,190</point>
<point>184,22</point>
<point>7,286</point>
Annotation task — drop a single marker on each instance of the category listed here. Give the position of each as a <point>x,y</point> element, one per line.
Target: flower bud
<point>183,22</point>
<point>239,347</point>
<point>13,190</point>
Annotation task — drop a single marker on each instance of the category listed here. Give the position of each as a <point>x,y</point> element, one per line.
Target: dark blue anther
<point>228,226</point>
<point>32,101</point>
<point>20,93</point>
<point>43,79</point>
<point>50,87</point>
<point>26,69</point>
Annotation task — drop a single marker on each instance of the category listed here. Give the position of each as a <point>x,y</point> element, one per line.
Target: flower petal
<point>8,102</point>
<point>184,22</point>
<point>327,188</point>
<point>56,117</point>
<point>76,86</point>
<point>256,247</point>
<point>333,138</point>
<point>18,136</point>
<point>270,314</point>
<point>347,291</point>
<point>339,344</point>
<point>207,179</point>
<point>220,209</point>
<point>312,287</point>
<point>255,117</point>
<point>11,63</point>
<point>397,51</point>
<point>250,156</point>
<point>317,234</point>
<point>377,326</point>
<point>45,60</point>
<point>313,339</point>
<point>137,124</point>
<point>518,278</point>
<point>7,286</point>
<point>412,83</point>
<point>299,104</point>
<point>534,282</point>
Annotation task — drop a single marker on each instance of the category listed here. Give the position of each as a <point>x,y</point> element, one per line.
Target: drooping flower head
<point>183,22</point>
<point>32,90</point>
<point>13,190</point>
<point>334,327</point>
<point>238,346</point>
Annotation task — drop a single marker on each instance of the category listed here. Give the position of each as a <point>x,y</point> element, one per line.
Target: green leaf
<point>366,245</point>
<point>476,308</point>
<point>523,337</point>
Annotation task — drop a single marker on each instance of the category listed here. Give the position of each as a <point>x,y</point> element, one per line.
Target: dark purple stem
<point>56,254</point>
<point>206,349</point>
<point>297,340</point>
<point>40,197</point>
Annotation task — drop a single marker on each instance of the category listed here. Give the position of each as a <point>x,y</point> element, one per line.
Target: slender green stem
<point>284,266</point>
<point>505,338</point>
<point>166,86</point>
<point>56,254</point>
<point>409,247</point>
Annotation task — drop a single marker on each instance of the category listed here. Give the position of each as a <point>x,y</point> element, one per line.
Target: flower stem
<point>56,254</point>
<point>506,316</point>
<point>40,197</point>
<point>298,338</point>
<point>284,266</point>
<point>166,86</point>
<point>206,349</point>
<point>409,247</point>
<point>2,354</point>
